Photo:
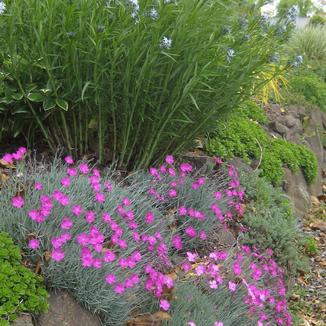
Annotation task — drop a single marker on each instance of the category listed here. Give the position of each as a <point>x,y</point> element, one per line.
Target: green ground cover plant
<point>21,290</point>
<point>241,135</point>
<point>130,80</point>
<point>271,222</point>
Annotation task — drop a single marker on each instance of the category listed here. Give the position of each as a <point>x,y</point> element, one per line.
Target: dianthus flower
<point>34,244</point>
<point>17,201</point>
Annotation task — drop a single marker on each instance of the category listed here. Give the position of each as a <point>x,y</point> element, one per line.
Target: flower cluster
<point>130,250</point>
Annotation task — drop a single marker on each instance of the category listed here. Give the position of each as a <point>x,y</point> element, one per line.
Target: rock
<point>297,189</point>
<point>290,121</point>
<point>23,320</point>
<point>314,200</point>
<point>200,162</point>
<point>65,311</point>
<point>318,225</point>
<point>279,128</point>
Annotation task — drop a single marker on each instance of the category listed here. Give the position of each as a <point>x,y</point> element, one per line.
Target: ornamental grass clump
<point>130,80</point>
<point>122,245</point>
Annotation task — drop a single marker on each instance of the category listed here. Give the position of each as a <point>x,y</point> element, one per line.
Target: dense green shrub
<point>311,86</point>
<point>317,20</point>
<point>284,6</point>
<point>21,290</point>
<point>240,136</point>
<point>271,222</point>
<point>139,81</point>
<point>309,42</point>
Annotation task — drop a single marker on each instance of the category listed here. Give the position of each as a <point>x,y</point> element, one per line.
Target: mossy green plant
<point>21,290</point>
<point>241,135</point>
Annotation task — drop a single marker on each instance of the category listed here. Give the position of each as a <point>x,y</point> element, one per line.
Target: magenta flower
<point>217,195</point>
<point>110,278</point>
<point>108,185</point>
<point>200,270</point>
<point>202,235</point>
<point>232,286</point>
<point>119,288</point>
<point>72,172</point>
<point>77,210</point>
<point>171,172</point>
<point>57,255</point>
<point>192,256</point>
<point>109,256</point>
<point>177,242</point>
<point>83,168</point>
<point>97,263</point>
<point>66,223</point>
<point>185,167</point>
<point>190,232</point>
<point>173,193</point>
<point>100,197</point>
<point>90,216</point>
<point>149,218</point>
<point>169,159</point>
<point>182,211</point>
<point>218,323</point>
<point>164,304</point>
<point>17,202</point>
<point>213,284</point>
<point>8,158</point>
<point>38,186</point>
<point>34,244</point>
<point>69,160</point>
<point>65,182</point>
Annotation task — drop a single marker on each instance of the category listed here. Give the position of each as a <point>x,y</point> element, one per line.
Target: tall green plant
<point>131,81</point>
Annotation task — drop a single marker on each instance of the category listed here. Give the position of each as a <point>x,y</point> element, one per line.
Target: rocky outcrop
<point>303,127</point>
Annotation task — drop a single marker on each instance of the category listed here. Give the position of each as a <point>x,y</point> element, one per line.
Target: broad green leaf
<point>48,104</point>
<point>35,97</point>
<point>62,104</point>
<point>17,96</point>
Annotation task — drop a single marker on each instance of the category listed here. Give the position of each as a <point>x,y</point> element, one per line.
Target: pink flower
<point>164,304</point>
<point>126,201</point>
<point>83,168</point>
<point>149,217</point>
<point>38,186</point>
<point>177,242</point>
<point>213,284</point>
<point>191,232</point>
<point>72,172</point>
<point>185,167</point>
<point>17,201</point>
<point>217,195</point>
<point>108,185</point>
<point>90,216</point>
<point>34,244</point>
<point>77,210</point>
<point>69,160</point>
<point>182,211</point>
<point>100,197</point>
<point>65,182</point>
<point>191,323</point>
<point>236,269</point>
<point>66,223</point>
<point>97,263</point>
<point>218,323</point>
<point>200,270</point>
<point>109,256</point>
<point>192,257</point>
<point>110,278</point>
<point>202,235</point>
<point>171,172</point>
<point>119,288</point>
<point>172,193</point>
<point>169,159</point>
<point>8,159</point>
<point>232,286</point>
<point>57,255</point>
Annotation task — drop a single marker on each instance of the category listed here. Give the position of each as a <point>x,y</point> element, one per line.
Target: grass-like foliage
<point>309,42</point>
<point>125,246</point>
<point>242,135</point>
<point>131,80</point>
<point>271,222</point>
<point>21,290</point>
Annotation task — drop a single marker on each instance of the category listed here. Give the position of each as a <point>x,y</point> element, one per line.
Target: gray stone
<point>65,311</point>
<point>23,320</point>
<point>279,128</point>
<point>291,121</point>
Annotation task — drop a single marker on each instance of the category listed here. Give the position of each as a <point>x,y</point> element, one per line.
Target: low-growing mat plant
<point>130,80</point>
<point>122,246</point>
